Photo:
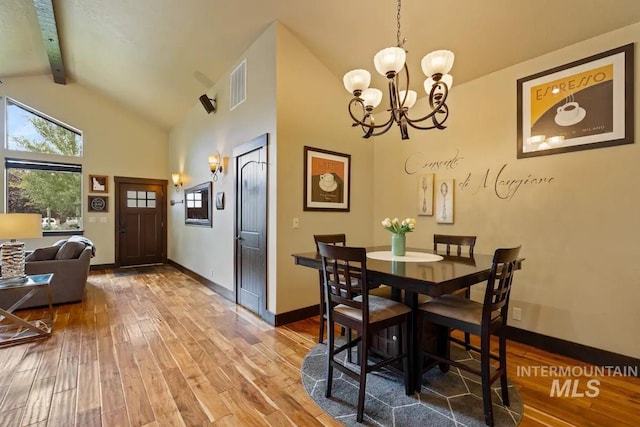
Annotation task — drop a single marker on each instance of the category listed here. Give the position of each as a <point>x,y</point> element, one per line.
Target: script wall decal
<point>504,184</point>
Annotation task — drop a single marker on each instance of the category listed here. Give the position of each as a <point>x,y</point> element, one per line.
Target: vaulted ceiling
<point>157,56</point>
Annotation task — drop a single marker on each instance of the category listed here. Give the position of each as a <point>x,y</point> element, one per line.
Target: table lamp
<point>16,226</point>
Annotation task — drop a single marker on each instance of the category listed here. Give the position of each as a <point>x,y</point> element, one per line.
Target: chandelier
<point>390,62</point>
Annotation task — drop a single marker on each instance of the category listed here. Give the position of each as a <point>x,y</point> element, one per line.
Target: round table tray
<point>408,256</point>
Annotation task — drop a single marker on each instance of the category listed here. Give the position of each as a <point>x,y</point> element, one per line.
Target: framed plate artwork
<point>98,204</point>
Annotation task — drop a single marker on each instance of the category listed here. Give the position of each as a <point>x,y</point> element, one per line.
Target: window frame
<point>34,160</point>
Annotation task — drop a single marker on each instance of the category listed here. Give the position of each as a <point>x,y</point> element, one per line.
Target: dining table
<point>419,271</point>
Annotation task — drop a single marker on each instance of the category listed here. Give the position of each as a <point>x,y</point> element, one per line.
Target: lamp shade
<point>389,59</point>
<point>371,97</point>
<point>429,82</point>
<point>20,226</point>
<point>356,80</point>
<point>214,162</point>
<point>175,177</point>
<point>437,62</point>
<point>412,96</point>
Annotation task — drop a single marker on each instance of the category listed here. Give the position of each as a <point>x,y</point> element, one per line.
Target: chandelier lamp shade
<point>391,63</point>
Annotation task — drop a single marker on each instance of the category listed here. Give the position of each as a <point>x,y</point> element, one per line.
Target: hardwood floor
<point>152,347</point>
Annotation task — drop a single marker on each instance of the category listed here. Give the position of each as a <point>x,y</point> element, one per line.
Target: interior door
<point>140,222</point>
<point>251,226</point>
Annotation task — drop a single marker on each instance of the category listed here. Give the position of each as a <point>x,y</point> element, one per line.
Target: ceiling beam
<point>49,30</point>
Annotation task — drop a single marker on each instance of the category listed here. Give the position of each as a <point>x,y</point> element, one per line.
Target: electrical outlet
<point>517,313</point>
<point>296,222</point>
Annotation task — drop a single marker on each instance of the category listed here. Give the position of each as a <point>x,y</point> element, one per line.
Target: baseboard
<point>296,315</point>
<point>584,353</point>
<point>97,267</point>
<point>221,290</point>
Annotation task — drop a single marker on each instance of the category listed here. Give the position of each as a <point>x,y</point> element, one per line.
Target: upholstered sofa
<point>68,261</point>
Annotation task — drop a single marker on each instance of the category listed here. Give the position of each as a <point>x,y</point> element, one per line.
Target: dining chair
<point>346,289</point>
<point>482,319</point>
<point>458,243</point>
<point>333,239</point>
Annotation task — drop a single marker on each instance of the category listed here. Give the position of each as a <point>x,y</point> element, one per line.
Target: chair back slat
<point>500,281</point>
<point>458,242</point>
<point>345,275</point>
<point>333,239</point>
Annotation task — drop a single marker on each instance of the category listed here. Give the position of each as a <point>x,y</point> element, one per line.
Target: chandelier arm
<point>362,122</point>
<point>437,124</point>
<point>387,127</point>
<point>435,105</point>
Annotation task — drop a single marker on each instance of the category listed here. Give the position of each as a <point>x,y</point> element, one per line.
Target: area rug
<point>451,399</point>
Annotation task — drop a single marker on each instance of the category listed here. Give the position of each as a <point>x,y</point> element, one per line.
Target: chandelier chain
<point>398,23</point>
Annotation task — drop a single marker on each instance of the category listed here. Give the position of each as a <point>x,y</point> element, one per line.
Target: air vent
<point>238,85</point>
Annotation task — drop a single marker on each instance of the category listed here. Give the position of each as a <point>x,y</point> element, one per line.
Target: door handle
<point>238,238</point>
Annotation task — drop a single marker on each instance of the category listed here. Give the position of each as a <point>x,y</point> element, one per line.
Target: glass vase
<point>398,244</point>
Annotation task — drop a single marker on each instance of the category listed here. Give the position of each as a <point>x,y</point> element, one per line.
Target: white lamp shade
<point>437,62</point>
<point>214,161</point>
<point>412,96</point>
<point>20,226</point>
<point>371,97</point>
<point>429,82</point>
<point>389,59</point>
<point>356,80</point>
<point>175,177</point>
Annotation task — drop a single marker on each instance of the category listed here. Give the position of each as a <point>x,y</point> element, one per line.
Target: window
<point>30,131</point>
<point>50,189</point>
<point>40,173</point>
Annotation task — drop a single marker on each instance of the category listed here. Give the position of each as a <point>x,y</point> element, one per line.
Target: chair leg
<point>405,360</point>
<point>485,374</point>
<point>349,338</point>
<point>330,350</point>
<point>504,386</point>
<point>419,362</point>
<point>363,376</point>
<point>467,335</point>
<point>442,346</point>
<point>323,312</point>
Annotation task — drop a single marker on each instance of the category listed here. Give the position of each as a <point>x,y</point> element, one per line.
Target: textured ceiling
<point>157,56</point>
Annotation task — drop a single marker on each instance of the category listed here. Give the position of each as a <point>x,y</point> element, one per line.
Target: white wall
<point>116,143</point>
<point>580,278</point>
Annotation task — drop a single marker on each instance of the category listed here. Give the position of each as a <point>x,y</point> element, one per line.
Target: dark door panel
<point>251,229</point>
<point>141,229</point>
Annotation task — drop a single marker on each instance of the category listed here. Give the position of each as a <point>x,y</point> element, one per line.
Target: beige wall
<point>581,275</point>
<point>312,111</point>
<point>116,143</point>
<point>295,90</point>
<point>210,251</point>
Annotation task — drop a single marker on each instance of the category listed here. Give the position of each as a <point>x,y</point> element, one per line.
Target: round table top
<point>408,256</point>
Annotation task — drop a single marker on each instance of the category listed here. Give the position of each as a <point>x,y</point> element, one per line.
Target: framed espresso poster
<point>327,179</point>
<point>577,106</point>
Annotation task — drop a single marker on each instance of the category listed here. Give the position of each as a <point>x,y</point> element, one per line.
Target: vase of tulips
<point>398,230</point>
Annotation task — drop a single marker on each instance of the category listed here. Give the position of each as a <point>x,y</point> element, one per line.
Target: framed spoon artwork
<point>444,201</point>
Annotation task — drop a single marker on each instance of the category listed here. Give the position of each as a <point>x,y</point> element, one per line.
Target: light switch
<point>103,219</point>
<point>92,219</point>
<point>296,222</point>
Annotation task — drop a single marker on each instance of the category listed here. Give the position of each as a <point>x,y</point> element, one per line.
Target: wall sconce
<point>177,181</point>
<point>215,165</point>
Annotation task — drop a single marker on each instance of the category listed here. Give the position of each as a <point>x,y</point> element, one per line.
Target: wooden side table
<point>16,330</point>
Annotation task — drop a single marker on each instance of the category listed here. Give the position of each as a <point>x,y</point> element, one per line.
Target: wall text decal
<point>419,161</point>
<point>504,186</point>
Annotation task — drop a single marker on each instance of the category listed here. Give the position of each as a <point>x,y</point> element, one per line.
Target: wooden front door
<point>141,210</point>
<point>251,225</point>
